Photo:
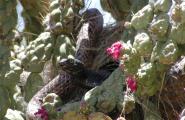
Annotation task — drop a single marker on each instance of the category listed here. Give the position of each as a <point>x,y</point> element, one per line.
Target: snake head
<point>72,66</point>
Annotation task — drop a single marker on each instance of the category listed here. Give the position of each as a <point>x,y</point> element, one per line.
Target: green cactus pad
<point>162,5</point>
<point>105,102</point>
<point>33,84</point>
<point>106,97</point>
<point>142,18</point>
<point>4,101</point>
<point>55,15</point>
<point>182,7</point>
<point>169,53</point>
<point>131,61</point>
<point>37,53</point>
<point>143,44</point>
<point>156,51</point>
<point>147,80</point>
<point>159,25</point>
<point>53,5</point>
<point>178,33</point>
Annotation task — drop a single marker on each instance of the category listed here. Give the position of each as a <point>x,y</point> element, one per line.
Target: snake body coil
<point>65,83</point>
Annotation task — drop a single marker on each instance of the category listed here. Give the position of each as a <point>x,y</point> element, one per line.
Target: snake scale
<point>65,83</point>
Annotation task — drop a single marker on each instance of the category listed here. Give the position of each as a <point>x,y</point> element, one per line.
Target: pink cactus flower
<point>114,50</point>
<point>42,113</point>
<point>131,83</point>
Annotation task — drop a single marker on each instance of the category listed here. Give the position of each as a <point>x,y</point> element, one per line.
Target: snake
<point>76,73</point>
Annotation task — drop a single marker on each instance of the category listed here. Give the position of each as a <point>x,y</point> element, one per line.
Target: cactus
<point>152,41</point>
<point>8,19</point>
<point>121,9</point>
<point>33,14</point>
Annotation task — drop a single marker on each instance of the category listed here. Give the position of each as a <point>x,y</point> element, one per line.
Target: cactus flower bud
<point>115,50</point>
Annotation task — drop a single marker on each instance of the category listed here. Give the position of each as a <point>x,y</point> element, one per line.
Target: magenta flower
<point>114,50</point>
<point>42,113</point>
<point>131,83</point>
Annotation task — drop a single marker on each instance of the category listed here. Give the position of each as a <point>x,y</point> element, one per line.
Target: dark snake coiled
<point>64,84</point>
